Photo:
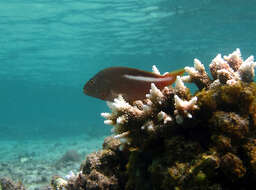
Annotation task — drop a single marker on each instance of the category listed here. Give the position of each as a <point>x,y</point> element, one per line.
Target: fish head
<point>96,88</point>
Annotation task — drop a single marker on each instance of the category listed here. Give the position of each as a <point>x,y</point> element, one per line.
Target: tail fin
<point>177,72</point>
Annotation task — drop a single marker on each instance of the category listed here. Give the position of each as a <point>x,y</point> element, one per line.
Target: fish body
<point>132,84</point>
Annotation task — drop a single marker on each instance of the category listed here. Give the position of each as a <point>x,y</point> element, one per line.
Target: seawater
<point>50,48</point>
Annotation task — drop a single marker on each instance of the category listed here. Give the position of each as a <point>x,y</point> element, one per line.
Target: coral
<point>182,108</point>
<point>192,142</point>
<point>7,184</point>
<point>58,183</point>
<point>226,70</point>
<point>102,170</point>
<point>197,75</point>
<point>181,141</point>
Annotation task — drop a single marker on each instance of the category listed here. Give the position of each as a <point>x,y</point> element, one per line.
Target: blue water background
<point>50,48</point>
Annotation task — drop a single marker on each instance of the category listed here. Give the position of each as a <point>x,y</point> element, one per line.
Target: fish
<point>133,84</point>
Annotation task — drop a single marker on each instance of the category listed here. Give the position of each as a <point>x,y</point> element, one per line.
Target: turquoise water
<point>50,48</point>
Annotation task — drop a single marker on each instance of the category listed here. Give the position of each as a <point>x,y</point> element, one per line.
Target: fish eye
<point>92,82</point>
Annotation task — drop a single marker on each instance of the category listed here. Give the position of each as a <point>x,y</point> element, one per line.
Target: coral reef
<point>175,140</point>
<point>104,169</point>
<point>7,184</point>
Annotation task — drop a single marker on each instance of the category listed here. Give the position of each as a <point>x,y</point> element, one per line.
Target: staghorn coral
<point>227,70</point>
<point>179,141</point>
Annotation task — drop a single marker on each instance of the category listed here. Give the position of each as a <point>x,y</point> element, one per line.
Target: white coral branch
<point>179,84</point>
<point>234,55</point>
<point>197,69</point>
<point>186,78</point>
<point>232,68</point>
<point>246,70</point>
<point>122,135</point>
<point>108,122</point>
<point>197,75</point>
<point>184,104</point>
<point>106,115</point>
<point>120,111</point>
<point>121,120</point>
<point>155,70</point>
<point>155,95</point>
<point>234,59</point>
<point>119,104</point>
<point>191,70</point>
<point>184,107</point>
<point>199,66</point>
<point>162,116</point>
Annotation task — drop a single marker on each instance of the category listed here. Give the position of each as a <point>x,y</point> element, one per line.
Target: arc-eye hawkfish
<point>132,84</point>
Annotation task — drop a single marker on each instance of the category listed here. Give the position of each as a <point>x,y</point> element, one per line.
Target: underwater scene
<point>127,95</point>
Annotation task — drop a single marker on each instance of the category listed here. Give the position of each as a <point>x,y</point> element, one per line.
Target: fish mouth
<point>86,89</point>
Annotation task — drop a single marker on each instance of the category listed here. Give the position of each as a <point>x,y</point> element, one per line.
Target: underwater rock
<point>7,184</point>
<point>175,140</point>
<point>70,156</point>
<point>102,170</point>
<point>97,180</point>
<point>58,183</point>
